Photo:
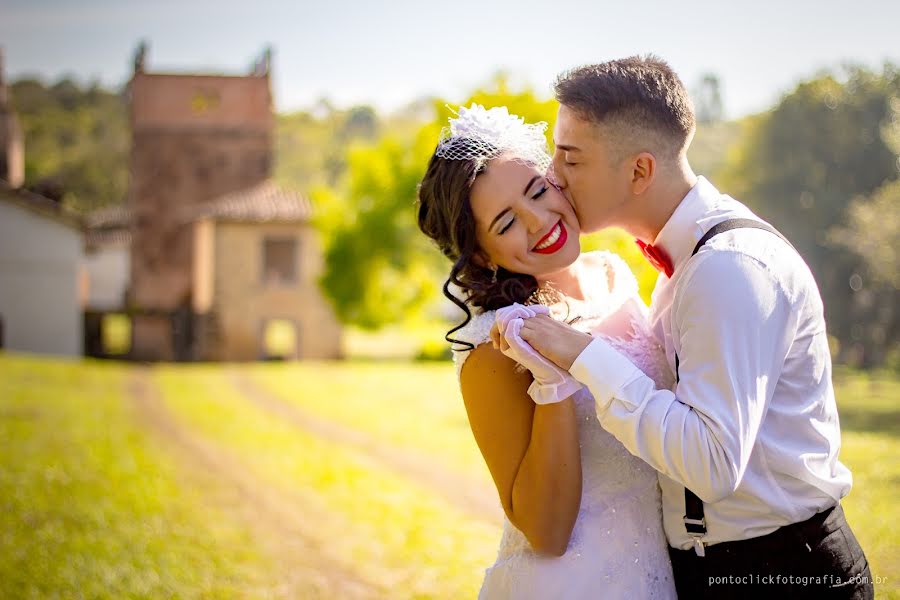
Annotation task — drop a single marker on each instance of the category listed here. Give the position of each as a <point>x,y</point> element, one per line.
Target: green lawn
<point>870,427</point>
<point>415,407</point>
<point>89,507</point>
<point>388,529</point>
<point>176,481</point>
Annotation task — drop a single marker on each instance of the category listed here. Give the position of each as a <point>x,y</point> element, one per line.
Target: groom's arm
<point>735,326</point>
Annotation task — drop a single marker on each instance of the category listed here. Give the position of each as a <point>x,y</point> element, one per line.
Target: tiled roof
<point>108,226</point>
<point>262,203</point>
<point>109,217</point>
<point>120,236</point>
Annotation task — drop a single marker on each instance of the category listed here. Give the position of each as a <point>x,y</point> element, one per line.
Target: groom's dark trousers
<point>818,558</point>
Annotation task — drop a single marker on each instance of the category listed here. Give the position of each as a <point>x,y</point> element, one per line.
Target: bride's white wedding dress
<point>618,548</point>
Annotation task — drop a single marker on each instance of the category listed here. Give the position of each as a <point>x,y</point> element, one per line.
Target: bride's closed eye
<point>537,195</point>
<point>540,192</point>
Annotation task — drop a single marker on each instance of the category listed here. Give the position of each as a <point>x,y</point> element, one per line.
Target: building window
<point>279,260</point>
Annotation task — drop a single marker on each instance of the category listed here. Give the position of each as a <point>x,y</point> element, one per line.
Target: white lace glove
<point>551,384</point>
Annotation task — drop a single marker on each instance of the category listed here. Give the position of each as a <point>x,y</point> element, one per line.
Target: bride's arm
<point>531,450</point>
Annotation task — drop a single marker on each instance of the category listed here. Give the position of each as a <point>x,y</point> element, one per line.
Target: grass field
<point>313,480</point>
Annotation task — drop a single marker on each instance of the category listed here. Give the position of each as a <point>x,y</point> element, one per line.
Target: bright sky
<point>389,53</point>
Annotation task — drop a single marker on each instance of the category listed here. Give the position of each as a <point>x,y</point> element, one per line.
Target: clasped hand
<point>544,346</point>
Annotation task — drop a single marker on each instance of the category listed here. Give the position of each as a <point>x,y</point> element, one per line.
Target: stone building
<point>107,244</point>
<point>257,261</point>
<point>216,250</point>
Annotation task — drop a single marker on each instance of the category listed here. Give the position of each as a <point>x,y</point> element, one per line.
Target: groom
<point>747,444</point>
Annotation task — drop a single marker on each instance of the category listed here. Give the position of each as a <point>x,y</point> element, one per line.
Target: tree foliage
<point>801,166</point>
<point>311,146</point>
<point>379,268</point>
<point>707,97</point>
<point>872,231</point>
<point>76,141</point>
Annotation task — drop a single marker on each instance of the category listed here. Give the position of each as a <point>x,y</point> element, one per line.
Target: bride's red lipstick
<point>559,243</point>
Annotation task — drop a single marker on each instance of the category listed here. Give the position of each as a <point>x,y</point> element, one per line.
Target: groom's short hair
<point>640,98</point>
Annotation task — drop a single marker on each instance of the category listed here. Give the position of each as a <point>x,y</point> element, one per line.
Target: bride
<point>583,516</point>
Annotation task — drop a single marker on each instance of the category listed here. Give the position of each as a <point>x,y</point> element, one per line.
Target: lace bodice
<point>618,536</point>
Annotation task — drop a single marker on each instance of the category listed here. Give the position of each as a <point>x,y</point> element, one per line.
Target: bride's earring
<point>494,275</point>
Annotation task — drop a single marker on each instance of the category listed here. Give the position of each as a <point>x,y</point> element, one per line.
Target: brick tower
<point>194,138</point>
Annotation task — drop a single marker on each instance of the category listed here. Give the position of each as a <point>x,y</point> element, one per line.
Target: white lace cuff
<point>549,393</point>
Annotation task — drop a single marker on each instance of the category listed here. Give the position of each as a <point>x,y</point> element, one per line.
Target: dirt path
<point>468,494</point>
<point>280,521</point>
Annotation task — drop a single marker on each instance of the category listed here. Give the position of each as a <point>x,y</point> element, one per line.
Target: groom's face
<point>587,172</point>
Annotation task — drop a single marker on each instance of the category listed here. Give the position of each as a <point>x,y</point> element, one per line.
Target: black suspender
<point>694,519</point>
<point>737,224</point>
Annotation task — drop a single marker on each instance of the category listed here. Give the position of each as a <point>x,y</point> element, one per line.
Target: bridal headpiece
<point>483,134</point>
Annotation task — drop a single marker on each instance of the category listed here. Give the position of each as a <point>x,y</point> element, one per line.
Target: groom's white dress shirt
<point>752,426</point>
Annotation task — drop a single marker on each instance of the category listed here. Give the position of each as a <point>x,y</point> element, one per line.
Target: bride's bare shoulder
<point>489,375</point>
<point>482,359</point>
<point>487,359</point>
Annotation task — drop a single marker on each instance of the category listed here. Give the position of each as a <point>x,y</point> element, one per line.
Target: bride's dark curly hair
<point>445,215</point>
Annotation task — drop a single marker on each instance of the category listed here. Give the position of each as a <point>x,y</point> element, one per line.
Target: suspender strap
<point>737,224</point>
<point>722,228</point>
<point>694,518</point>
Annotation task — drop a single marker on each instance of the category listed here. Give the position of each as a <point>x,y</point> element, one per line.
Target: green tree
<point>801,164</point>
<point>76,141</point>
<point>311,146</point>
<point>379,268</point>
<point>708,105</point>
<point>872,232</point>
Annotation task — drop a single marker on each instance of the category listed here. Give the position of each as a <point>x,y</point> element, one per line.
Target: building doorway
<point>280,340</point>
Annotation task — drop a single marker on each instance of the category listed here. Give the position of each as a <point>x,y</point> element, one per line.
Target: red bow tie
<point>657,257</point>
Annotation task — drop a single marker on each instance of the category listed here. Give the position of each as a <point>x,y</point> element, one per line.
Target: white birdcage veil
<point>480,134</point>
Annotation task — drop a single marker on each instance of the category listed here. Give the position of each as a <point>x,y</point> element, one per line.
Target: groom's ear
<point>643,172</point>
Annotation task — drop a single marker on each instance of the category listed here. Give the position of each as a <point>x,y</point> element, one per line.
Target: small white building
<point>42,284</point>
<point>108,259</point>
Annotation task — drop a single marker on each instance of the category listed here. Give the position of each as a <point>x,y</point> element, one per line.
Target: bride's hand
<point>508,313</point>
<point>551,384</point>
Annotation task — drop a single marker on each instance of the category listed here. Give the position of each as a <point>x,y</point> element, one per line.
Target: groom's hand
<point>555,340</point>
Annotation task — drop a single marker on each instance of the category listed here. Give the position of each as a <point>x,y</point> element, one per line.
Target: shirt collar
<point>682,231</point>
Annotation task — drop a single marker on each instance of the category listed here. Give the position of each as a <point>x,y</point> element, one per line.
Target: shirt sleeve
<point>733,325</point>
